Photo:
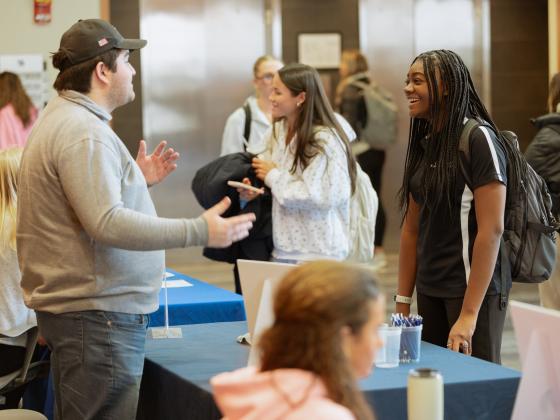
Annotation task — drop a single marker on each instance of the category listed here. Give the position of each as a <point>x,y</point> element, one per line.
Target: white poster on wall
<point>31,70</point>
<point>321,51</point>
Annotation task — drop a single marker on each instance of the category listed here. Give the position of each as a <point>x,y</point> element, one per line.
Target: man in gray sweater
<point>90,244</point>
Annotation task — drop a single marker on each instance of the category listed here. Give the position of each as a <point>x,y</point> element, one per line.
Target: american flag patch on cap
<point>102,42</point>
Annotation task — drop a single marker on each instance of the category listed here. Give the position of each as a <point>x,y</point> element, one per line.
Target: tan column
<point>553,36</point>
<point>105,9</point>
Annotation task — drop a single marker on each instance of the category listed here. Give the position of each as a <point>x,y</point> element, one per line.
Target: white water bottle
<point>425,395</point>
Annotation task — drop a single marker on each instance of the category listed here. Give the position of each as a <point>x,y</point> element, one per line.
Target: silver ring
<point>466,344</point>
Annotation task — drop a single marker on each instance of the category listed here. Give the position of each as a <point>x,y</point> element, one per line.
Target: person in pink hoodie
<point>324,338</point>
<point>17,113</point>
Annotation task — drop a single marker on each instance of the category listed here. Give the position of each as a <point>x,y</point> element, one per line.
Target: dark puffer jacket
<point>210,186</point>
<point>543,154</point>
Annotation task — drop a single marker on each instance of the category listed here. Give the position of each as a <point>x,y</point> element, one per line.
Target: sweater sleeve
<point>324,184</point>
<point>91,174</point>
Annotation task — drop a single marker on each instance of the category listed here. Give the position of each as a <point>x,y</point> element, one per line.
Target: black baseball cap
<point>89,38</point>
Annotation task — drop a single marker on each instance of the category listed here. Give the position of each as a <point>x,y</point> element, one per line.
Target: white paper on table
<point>166,332</point>
<point>176,283</point>
<point>168,274</point>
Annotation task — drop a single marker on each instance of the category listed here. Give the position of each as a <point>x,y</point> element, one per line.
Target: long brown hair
<point>315,111</point>
<point>9,166</point>
<point>311,306</point>
<point>12,92</point>
<point>554,93</point>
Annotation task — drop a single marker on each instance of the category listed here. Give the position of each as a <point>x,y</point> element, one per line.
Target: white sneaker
<point>379,262</point>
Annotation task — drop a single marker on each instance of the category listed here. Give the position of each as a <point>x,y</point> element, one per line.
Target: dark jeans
<point>11,359</point>
<point>96,362</point>
<point>441,313</point>
<point>372,162</point>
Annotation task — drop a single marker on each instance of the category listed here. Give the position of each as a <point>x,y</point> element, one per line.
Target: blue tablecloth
<point>176,377</point>
<point>198,304</point>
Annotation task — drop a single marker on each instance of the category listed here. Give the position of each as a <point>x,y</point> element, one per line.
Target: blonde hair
<point>355,61</point>
<point>9,166</point>
<point>262,59</point>
<point>311,306</point>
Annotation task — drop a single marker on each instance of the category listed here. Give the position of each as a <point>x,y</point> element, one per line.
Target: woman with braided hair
<point>324,338</point>
<point>451,227</point>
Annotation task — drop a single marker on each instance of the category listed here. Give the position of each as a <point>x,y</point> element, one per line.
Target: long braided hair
<point>452,98</point>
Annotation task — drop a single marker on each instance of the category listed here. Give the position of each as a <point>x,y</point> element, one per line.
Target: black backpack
<point>528,245</point>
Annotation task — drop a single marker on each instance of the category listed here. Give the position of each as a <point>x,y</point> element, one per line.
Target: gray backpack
<point>363,213</point>
<point>528,245</point>
<point>381,127</point>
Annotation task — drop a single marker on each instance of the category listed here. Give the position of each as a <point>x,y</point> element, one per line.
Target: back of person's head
<point>352,62</point>
<point>554,93</point>
<point>9,166</point>
<point>313,305</point>
<point>82,47</point>
<point>12,92</point>
<point>314,111</point>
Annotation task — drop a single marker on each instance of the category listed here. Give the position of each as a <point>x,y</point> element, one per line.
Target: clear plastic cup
<point>410,344</point>
<point>388,356</point>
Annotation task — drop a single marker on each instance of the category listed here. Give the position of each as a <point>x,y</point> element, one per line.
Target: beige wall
<point>20,35</point>
<point>553,36</point>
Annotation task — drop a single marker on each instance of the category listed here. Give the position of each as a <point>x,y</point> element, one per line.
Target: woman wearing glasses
<point>246,126</point>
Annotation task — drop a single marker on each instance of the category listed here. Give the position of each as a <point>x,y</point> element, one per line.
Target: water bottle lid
<point>424,373</point>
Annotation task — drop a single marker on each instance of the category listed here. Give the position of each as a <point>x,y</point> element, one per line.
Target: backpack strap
<point>247,127</point>
<point>504,266</point>
<point>464,147</point>
<point>360,85</point>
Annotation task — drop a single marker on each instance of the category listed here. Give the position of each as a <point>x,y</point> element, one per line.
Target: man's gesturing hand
<point>159,164</point>
<point>222,232</point>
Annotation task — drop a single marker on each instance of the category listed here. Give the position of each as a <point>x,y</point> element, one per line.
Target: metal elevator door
<point>196,69</point>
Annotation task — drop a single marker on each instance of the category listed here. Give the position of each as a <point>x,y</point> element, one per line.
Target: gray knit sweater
<point>88,236</point>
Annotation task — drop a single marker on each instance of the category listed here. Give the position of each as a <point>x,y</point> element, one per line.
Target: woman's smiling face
<point>417,91</point>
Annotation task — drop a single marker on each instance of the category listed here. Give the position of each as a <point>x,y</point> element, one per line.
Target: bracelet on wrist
<point>402,299</point>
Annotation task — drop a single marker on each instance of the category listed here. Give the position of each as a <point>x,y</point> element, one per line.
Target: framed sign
<point>31,70</point>
<point>321,51</point>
